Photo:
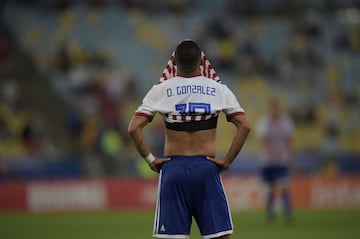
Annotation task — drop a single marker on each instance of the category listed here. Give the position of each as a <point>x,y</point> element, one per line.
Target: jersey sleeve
<point>148,107</point>
<point>232,106</point>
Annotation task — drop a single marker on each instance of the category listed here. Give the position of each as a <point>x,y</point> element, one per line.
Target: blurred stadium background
<point>73,72</point>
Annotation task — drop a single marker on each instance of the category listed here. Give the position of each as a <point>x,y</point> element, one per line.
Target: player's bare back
<point>190,143</point>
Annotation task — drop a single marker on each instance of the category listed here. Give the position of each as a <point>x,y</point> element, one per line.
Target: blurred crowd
<point>100,56</point>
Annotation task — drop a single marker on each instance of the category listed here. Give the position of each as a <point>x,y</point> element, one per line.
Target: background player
<point>275,131</point>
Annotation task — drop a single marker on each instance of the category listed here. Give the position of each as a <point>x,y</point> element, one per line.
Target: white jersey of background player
<point>275,133</point>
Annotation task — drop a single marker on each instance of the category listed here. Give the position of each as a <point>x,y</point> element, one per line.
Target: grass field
<point>138,225</point>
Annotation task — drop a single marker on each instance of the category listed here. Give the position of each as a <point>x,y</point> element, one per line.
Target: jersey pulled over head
<point>206,68</point>
<point>187,57</point>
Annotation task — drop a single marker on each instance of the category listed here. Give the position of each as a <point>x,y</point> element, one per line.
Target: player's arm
<point>135,130</point>
<point>243,128</point>
<point>242,131</point>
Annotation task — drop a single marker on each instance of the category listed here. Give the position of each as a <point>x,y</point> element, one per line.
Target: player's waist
<point>192,125</point>
<point>179,159</point>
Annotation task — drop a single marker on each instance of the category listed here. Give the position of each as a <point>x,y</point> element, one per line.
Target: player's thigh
<point>211,209</point>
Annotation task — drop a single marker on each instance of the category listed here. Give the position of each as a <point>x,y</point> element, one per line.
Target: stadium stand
<point>99,57</point>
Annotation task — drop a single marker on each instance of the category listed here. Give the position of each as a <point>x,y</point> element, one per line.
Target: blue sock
<point>270,205</point>
<point>285,197</point>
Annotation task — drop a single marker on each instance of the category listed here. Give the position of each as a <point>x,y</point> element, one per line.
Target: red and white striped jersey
<point>206,69</point>
<point>182,100</point>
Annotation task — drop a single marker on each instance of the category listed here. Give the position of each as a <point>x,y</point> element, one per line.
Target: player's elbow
<point>246,128</point>
<point>132,129</point>
<point>136,125</point>
<point>242,124</point>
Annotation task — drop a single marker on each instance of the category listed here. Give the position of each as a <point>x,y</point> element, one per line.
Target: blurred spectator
<point>16,126</point>
<point>30,139</point>
<point>108,108</point>
<point>5,46</point>
<point>330,151</point>
<point>74,123</point>
<point>62,59</point>
<point>341,41</point>
<point>217,38</point>
<point>249,60</point>
<point>10,93</point>
<point>112,151</point>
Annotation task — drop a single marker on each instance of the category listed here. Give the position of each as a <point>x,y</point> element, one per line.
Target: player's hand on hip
<point>156,164</point>
<point>222,164</point>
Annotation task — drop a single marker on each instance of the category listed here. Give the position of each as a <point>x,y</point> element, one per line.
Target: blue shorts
<point>191,187</point>
<point>275,174</point>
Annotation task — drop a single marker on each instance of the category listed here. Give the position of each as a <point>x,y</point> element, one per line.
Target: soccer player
<point>275,131</point>
<point>189,175</point>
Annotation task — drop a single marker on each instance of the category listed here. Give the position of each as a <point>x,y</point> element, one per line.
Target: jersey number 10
<point>193,108</point>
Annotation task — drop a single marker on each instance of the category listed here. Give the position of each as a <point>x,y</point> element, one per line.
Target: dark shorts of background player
<point>191,187</point>
<point>274,174</point>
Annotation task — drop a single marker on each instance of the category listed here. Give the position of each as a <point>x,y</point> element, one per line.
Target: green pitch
<point>138,225</point>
